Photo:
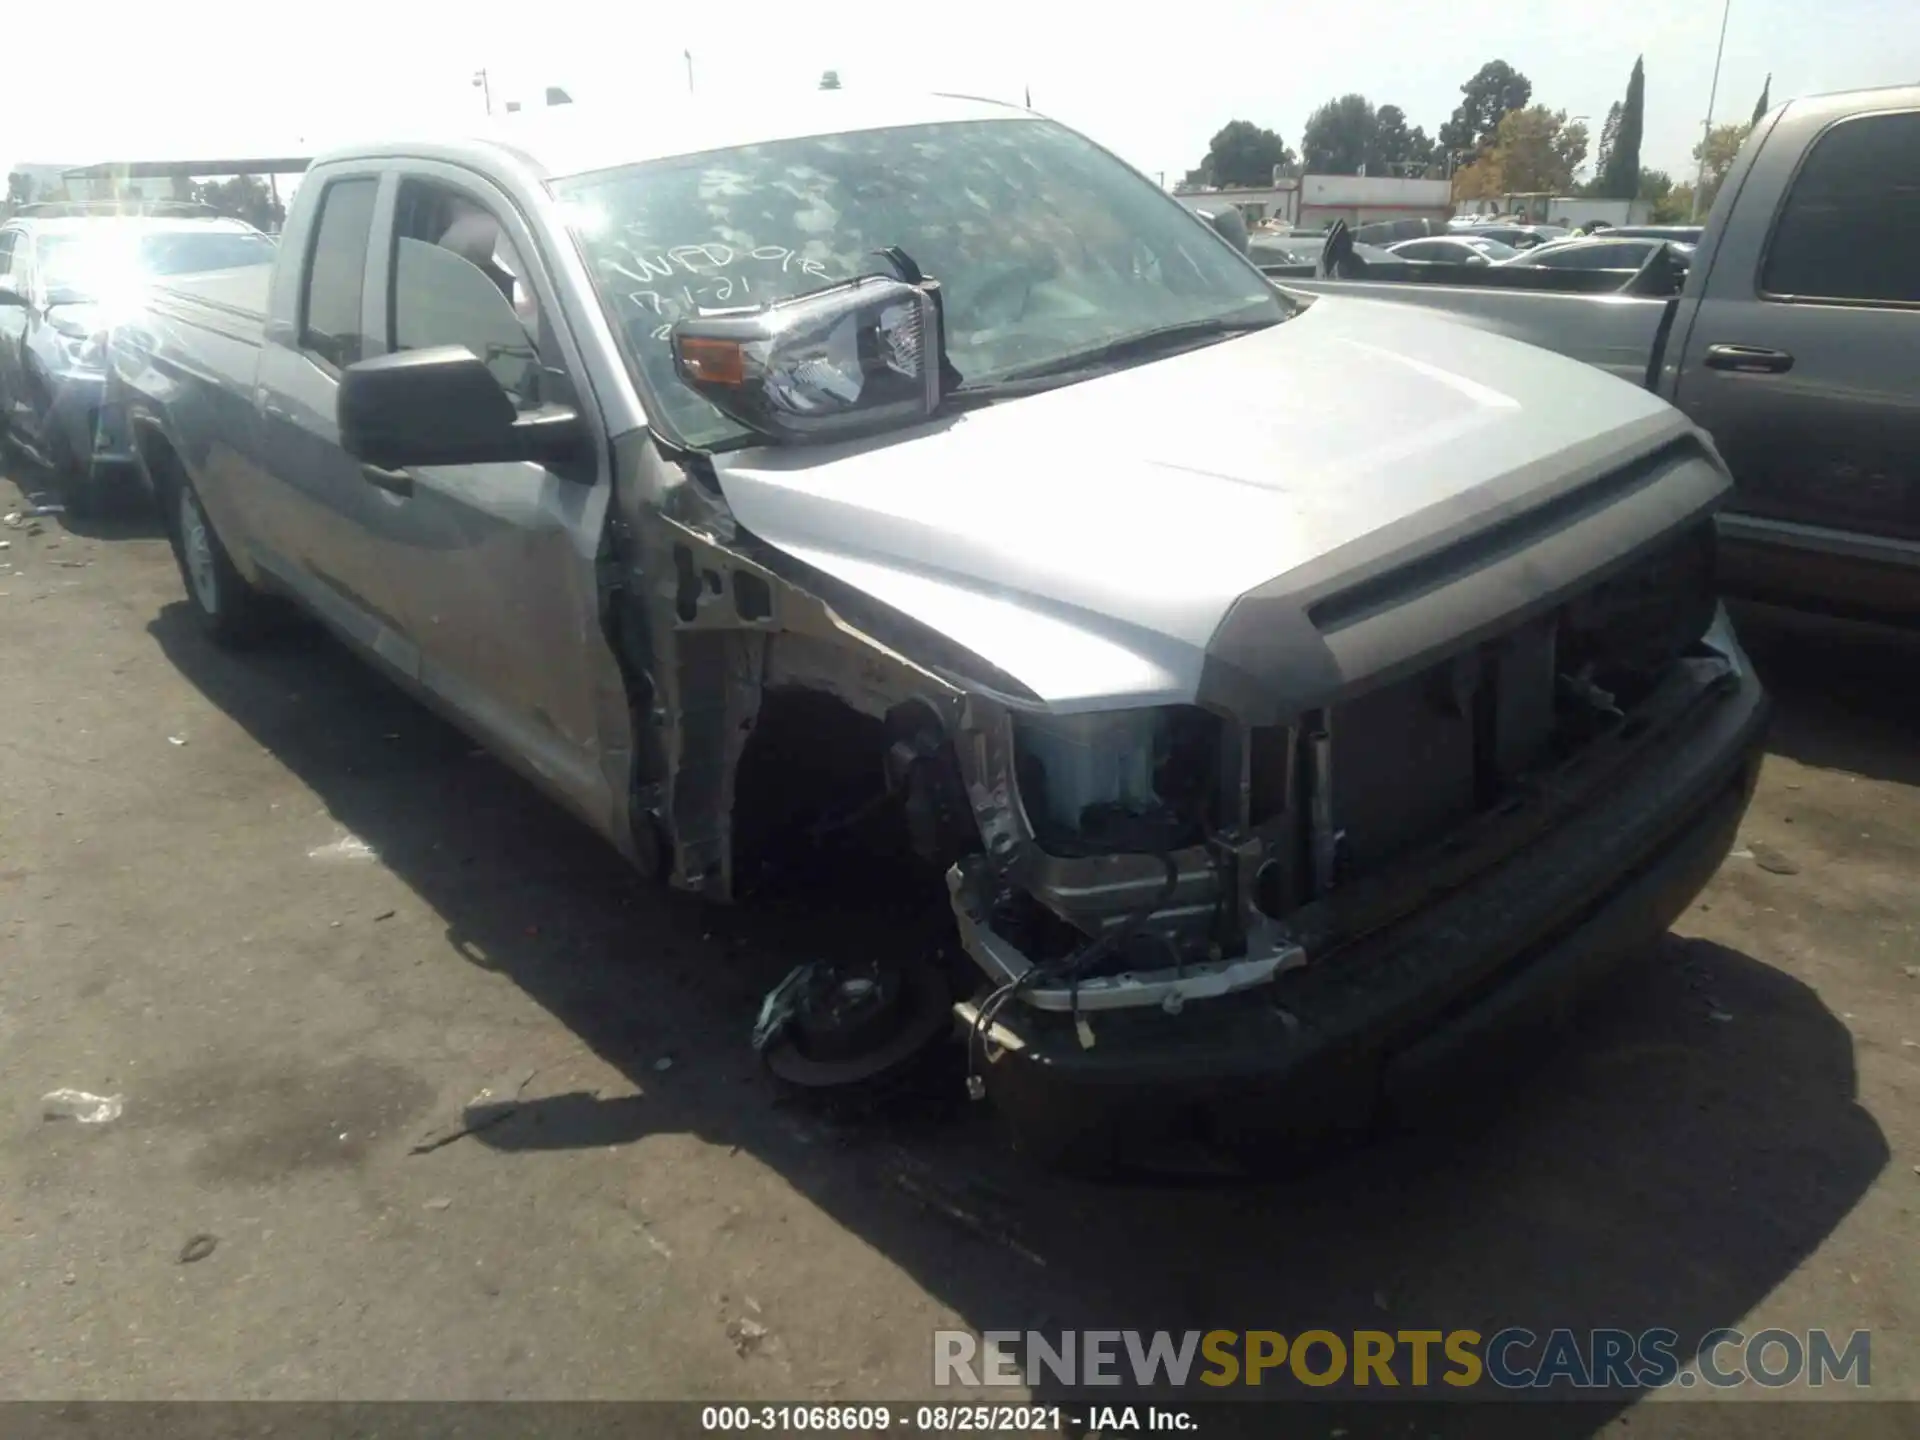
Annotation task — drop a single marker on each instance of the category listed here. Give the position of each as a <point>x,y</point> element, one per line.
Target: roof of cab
<point>579,138</point>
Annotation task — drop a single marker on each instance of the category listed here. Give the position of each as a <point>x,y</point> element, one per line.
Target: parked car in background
<point>1794,339</point>
<point>1601,252</point>
<point>1459,249</point>
<point>1679,234</point>
<point>639,443</point>
<point>1520,237</point>
<point>66,272</point>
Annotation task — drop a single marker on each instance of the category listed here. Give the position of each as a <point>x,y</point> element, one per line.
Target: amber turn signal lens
<point>716,362</point>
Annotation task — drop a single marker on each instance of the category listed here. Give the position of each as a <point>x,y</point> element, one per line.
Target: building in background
<point>1545,208</point>
<point>1313,202</point>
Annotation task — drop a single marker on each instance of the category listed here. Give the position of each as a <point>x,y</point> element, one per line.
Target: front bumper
<point>1379,1012</point>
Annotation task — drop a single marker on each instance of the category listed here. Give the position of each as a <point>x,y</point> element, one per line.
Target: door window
<point>1850,228</point>
<point>6,250</point>
<point>459,280</point>
<point>337,271</point>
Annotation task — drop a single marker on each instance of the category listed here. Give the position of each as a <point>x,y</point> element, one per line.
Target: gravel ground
<point>309,935</point>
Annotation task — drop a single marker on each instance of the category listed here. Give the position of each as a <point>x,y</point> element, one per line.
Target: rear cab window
<point>330,299</point>
<point>1849,230</point>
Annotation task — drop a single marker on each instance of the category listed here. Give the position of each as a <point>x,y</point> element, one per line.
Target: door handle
<point>394,482</point>
<point>1748,359</point>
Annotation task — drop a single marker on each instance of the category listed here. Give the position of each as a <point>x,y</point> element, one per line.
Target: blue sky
<point>1152,83</point>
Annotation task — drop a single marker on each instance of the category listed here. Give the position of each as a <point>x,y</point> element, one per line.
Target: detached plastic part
<point>79,1105</point>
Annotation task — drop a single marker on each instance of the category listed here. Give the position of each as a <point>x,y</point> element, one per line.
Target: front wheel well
<point>162,464</point>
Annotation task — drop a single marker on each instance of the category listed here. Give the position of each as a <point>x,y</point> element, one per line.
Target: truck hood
<point>1089,541</point>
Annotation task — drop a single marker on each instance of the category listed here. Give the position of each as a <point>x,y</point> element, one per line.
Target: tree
<point>1241,154</point>
<point>1715,155</point>
<point>19,190</point>
<point>1763,104</point>
<point>1619,177</point>
<point>1479,180</point>
<point>245,197</point>
<point>830,80</point>
<point>1421,149</point>
<point>1658,192</point>
<point>1537,150</point>
<point>1495,90</point>
<point>1394,148</point>
<point>1609,129</point>
<point>1339,136</point>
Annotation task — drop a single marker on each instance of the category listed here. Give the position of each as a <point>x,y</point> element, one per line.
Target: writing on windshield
<point>685,279</point>
<point>1043,244</point>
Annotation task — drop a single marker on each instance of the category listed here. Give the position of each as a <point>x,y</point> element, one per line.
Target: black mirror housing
<point>442,406</point>
<point>1231,226</point>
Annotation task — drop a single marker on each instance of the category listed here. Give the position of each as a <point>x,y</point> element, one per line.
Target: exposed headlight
<point>853,357</point>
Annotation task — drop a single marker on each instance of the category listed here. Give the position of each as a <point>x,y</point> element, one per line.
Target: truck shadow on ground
<point>1667,1166</point>
<point>127,513</point>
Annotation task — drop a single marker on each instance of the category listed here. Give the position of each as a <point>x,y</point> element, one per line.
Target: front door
<point>320,519</point>
<point>500,560</point>
<point>1802,359</point>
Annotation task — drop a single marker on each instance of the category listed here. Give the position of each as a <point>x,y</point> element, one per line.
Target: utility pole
<point>1713,93</point>
<point>485,89</point>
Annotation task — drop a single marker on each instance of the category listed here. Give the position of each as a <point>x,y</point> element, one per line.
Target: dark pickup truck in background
<point>1793,338</point>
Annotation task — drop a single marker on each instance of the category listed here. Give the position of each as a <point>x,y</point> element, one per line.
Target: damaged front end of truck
<point>1452,764</point>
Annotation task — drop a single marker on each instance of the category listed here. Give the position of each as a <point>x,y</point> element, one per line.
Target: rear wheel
<point>230,610</point>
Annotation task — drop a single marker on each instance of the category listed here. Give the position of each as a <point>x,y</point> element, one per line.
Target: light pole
<point>486,90</point>
<point>1706,129</point>
<point>689,55</point>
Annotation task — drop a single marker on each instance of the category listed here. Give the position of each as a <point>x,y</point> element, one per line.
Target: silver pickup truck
<point>1283,695</point>
<point>1794,341</point>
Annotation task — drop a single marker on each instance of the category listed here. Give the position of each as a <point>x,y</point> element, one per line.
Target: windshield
<point>1044,245</point>
<point>93,262</point>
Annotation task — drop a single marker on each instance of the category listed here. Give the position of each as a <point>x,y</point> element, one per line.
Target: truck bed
<point>233,302</point>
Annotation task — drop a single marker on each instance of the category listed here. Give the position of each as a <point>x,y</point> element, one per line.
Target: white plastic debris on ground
<point>79,1105</point>
<point>351,847</point>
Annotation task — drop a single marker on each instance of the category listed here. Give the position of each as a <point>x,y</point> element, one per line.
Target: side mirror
<point>1231,226</point>
<point>10,293</point>
<point>442,406</point>
<point>1662,274</point>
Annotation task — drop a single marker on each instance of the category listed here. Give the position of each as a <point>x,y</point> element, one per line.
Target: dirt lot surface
<point>309,934</point>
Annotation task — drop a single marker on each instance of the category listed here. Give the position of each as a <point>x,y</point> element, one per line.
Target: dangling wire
<point>1070,968</point>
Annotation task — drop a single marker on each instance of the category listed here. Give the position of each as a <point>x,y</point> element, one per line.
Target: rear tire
<point>232,612</point>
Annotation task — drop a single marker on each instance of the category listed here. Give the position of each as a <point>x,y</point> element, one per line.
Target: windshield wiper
<point>1138,346</point>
